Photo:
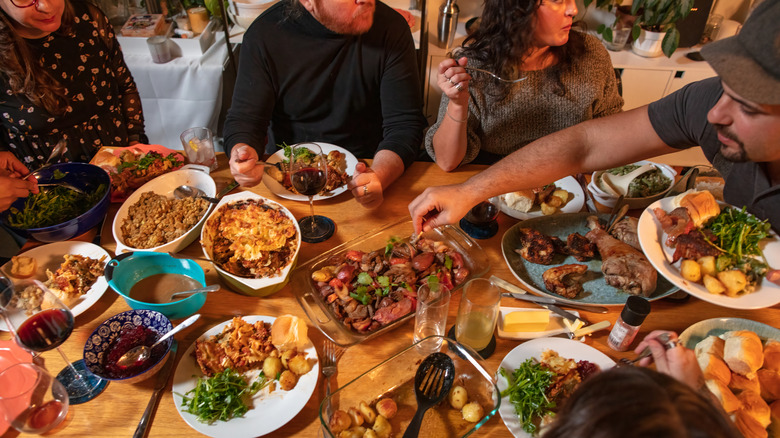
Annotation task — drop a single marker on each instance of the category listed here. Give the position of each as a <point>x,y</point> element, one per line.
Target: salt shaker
<point>448,23</point>
<point>626,327</point>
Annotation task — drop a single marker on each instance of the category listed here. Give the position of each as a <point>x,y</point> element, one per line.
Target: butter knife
<point>162,379</point>
<point>520,294</point>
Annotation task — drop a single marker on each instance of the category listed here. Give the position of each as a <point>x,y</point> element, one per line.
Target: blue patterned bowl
<point>100,340</point>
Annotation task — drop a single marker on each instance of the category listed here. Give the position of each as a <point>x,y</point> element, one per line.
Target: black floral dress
<point>105,108</point>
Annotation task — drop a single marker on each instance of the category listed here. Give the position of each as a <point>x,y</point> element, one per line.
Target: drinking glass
<point>198,144</point>
<point>41,322</point>
<point>31,399</point>
<point>480,222</point>
<point>433,303</point>
<point>309,175</point>
<point>477,315</point>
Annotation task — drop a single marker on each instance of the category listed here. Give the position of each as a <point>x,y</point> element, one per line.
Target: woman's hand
<point>243,165</point>
<point>672,359</point>
<point>11,169</point>
<point>366,186</point>
<point>454,81</point>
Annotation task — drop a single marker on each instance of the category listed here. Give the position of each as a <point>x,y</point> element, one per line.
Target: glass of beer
<point>477,315</point>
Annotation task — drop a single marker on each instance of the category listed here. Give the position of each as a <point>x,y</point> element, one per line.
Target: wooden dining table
<point>117,411</point>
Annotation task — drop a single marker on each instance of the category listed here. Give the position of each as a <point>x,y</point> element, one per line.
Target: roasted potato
<point>472,412</point>
<point>458,397</point>
<point>708,265</point>
<point>353,432</point>
<point>355,416</point>
<point>272,367</point>
<point>286,356</point>
<point>382,427</point>
<point>548,209</point>
<point>287,380</point>
<point>690,270</point>
<point>370,434</point>
<point>339,421</point>
<point>563,195</point>
<point>713,285</point>
<point>299,365</point>
<point>734,281</point>
<point>368,412</point>
<point>386,408</point>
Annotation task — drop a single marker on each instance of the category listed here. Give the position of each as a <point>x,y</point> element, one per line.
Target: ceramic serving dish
<point>608,199</point>
<point>320,313</point>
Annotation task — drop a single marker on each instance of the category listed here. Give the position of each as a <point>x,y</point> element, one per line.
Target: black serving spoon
<point>432,383</point>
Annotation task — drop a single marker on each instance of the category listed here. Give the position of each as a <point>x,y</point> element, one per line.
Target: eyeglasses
<point>21,4</point>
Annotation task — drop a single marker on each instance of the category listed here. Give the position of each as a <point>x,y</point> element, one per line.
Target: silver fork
<point>331,353</point>
<point>509,81</point>
<point>663,337</point>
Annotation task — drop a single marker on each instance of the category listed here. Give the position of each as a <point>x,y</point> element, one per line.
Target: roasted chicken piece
<point>623,266</point>
<point>625,231</point>
<point>564,280</point>
<point>580,247</point>
<point>536,246</point>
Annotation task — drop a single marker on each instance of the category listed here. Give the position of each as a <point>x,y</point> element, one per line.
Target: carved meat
<point>674,223</point>
<point>536,247</point>
<point>693,246</point>
<point>386,315</point>
<point>564,280</point>
<point>623,266</point>
<point>580,247</point>
<point>625,231</point>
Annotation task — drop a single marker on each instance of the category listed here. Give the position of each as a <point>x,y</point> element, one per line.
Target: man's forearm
<point>388,166</point>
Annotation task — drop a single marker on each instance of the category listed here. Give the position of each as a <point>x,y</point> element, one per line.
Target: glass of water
<point>477,315</point>
<point>433,303</point>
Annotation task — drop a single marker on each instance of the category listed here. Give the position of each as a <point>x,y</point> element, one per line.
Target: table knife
<point>520,294</point>
<point>162,379</point>
<point>227,189</point>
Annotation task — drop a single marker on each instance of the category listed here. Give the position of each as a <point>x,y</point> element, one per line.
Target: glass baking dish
<point>394,378</point>
<point>322,316</point>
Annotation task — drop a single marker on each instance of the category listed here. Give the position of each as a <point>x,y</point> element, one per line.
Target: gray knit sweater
<point>533,109</point>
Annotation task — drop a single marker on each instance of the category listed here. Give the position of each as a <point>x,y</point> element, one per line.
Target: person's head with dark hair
<point>638,402</point>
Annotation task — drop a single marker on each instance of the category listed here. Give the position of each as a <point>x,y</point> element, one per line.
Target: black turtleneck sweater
<point>311,84</point>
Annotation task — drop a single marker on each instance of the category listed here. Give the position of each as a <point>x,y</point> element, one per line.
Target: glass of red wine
<point>309,175</point>
<point>41,322</point>
<point>480,222</point>
<point>31,400</point>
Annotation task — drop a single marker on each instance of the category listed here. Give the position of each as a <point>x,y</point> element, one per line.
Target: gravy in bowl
<point>157,288</point>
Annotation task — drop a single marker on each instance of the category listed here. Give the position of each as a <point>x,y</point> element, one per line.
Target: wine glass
<point>308,175</point>
<point>41,322</point>
<point>480,222</point>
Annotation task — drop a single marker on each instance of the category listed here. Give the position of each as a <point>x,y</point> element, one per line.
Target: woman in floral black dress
<point>62,75</point>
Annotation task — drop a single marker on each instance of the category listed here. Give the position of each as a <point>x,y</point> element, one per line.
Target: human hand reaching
<point>366,186</point>
<point>671,358</point>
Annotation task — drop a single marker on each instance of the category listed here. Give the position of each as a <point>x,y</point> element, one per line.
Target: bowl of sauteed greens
<point>642,191</point>
<point>58,212</point>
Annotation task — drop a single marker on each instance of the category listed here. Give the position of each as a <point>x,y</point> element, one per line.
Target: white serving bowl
<point>608,199</point>
<point>191,175</point>
<point>258,287</point>
<point>244,12</point>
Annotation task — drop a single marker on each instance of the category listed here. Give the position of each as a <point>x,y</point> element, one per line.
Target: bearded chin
<point>736,156</point>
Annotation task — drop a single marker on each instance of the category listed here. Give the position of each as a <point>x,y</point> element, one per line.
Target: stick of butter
<point>527,321</point>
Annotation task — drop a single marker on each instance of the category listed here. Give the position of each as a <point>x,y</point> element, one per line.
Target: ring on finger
<point>672,344</point>
<point>365,190</point>
<point>459,87</point>
<point>450,81</point>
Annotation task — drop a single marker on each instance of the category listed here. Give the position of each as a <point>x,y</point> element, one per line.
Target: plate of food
<point>704,269</point>
<point>133,166</point>
<point>240,353</point>
<point>73,270</point>
<point>340,163</point>
<point>571,362</point>
<point>573,265</point>
<point>563,196</point>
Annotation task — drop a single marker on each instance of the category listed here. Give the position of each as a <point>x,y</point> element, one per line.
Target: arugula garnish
<point>54,206</point>
<point>222,396</point>
<point>528,392</point>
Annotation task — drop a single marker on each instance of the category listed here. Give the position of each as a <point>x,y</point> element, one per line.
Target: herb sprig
<point>528,393</point>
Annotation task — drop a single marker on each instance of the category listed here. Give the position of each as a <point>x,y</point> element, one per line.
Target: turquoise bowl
<point>125,270</point>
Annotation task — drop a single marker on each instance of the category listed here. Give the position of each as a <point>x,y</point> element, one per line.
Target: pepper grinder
<point>448,23</point>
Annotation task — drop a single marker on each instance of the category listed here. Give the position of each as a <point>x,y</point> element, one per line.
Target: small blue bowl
<point>100,340</point>
<point>87,177</point>
<point>125,270</point>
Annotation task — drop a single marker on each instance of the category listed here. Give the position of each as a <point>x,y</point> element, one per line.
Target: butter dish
<point>554,327</point>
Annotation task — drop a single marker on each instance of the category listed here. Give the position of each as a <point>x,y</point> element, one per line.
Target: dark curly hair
<point>505,38</point>
<point>22,68</point>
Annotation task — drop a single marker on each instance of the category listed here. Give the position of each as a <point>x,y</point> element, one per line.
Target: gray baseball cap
<point>749,62</point>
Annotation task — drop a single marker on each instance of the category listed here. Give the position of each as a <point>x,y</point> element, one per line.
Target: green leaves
<point>221,397</point>
<point>739,232</point>
<point>527,392</point>
<point>53,206</point>
<point>670,42</point>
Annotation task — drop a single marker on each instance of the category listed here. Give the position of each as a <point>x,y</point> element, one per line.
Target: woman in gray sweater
<point>569,78</point>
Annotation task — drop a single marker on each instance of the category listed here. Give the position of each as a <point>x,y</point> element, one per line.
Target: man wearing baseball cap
<point>734,117</point>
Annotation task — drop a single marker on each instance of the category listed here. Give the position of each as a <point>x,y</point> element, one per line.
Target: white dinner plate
<point>270,411</point>
<point>534,348</point>
<point>50,257</point>
<point>574,205</point>
<point>651,238</point>
<point>277,189</point>
<point>554,327</point>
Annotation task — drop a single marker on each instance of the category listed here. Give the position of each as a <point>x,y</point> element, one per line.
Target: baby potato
<point>563,195</point>
<point>708,265</point>
<point>548,209</point>
<point>386,408</point>
<point>713,285</point>
<point>370,434</point>
<point>472,412</point>
<point>286,356</point>
<point>690,270</point>
<point>458,397</point>
<point>354,432</point>
<point>382,427</point>
<point>339,421</point>
<point>355,416</point>
<point>287,380</point>
<point>272,366</point>
<point>734,281</point>
<point>299,365</point>
<point>368,412</point>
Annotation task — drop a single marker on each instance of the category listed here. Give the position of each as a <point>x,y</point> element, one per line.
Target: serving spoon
<point>206,289</point>
<point>432,383</point>
<point>58,150</point>
<point>185,191</point>
<point>140,353</point>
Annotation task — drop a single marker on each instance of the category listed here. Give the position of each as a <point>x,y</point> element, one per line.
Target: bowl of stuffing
<point>253,243</point>
<point>153,219</point>
<point>73,198</point>
<point>118,334</point>
<point>642,191</point>
<point>147,279</point>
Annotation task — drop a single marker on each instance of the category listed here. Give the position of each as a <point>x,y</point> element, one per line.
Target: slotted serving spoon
<point>141,352</point>
<point>432,383</point>
<point>508,81</point>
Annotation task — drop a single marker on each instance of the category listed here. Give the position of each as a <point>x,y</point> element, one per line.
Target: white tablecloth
<point>180,94</point>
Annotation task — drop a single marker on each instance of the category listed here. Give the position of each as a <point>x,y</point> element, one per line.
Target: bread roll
<point>770,384</point>
<point>701,206</point>
<point>714,368</point>
<point>23,266</point>
<point>749,426</point>
<point>712,184</point>
<point>743,352</point>
<point>723,394</point>
<point>772,355</point>
<point>755,406</point>
<point>289,332</point>
<point>710,345</point>
<point>741,383</point>
<point>522,200</point>
<point>774,426</point>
